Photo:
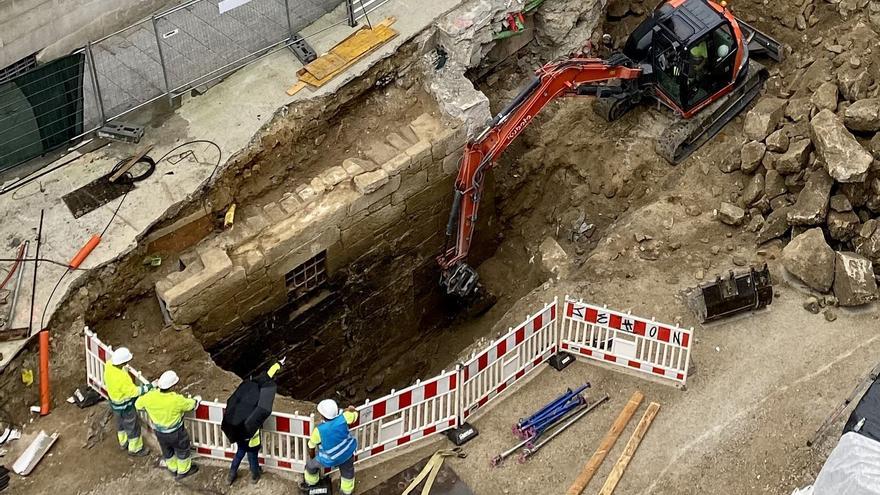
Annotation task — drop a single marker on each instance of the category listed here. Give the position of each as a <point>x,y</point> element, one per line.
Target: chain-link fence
<point>185,47</point>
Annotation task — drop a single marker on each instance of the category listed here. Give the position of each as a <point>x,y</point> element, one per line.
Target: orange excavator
<point>692,56</point>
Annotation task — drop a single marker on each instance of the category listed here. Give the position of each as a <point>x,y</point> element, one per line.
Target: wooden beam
<point>630,450</point>
<point>606,445</point>
<point>125,168</point>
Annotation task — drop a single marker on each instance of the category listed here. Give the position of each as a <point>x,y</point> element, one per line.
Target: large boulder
<point>809,258</point>
<point>750,156</point>
<point>777,141</point>
<point>799,109</point>
<point>825,97</point>
<point>763,118</point>
<point>863,115</point>
<point>812,202</point>
<point>854,282</point>
<point>795,159</point>
<point>843,156</point>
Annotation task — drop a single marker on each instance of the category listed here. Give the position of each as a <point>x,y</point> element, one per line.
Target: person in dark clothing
<point>246,410</point>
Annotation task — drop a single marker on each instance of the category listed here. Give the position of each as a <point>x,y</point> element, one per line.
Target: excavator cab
<point>695,53</point>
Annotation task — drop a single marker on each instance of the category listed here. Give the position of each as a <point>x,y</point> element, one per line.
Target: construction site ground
<point>761,383</point>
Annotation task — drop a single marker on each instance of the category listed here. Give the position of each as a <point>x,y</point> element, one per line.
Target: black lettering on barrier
<point>602,318</point>
<point>676,338</point>
<point>652,331</point>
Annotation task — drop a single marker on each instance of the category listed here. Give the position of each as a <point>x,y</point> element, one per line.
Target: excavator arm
<point>570,77</point>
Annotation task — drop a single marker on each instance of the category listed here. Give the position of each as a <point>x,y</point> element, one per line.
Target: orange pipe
<point>84,252</point>
<point>44,372</point>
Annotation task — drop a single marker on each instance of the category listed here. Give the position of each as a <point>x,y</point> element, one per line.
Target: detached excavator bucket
<point>732,294</point>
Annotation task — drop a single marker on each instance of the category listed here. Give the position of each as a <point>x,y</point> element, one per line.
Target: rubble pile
<point>811,166</point>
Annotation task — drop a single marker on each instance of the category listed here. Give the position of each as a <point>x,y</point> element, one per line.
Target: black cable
<point>51,294</point>
<point>115,212</point>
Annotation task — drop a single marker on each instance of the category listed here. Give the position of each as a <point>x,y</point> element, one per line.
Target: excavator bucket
<point>735,293</point>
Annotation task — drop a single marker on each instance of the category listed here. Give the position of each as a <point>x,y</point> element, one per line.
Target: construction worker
<point>246,410</point>
<point>165,410</point>
<point>123,392</point>
<point>334,444</point>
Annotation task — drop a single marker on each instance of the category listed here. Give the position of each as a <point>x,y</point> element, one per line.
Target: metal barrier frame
<point>488,373</point>
<point>445,401</point>
<point>621,339</point>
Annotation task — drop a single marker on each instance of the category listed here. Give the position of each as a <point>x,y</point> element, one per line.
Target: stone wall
<point>61,26</point>
<point>380,221</point>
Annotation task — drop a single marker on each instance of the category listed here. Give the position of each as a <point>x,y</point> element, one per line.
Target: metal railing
<point>185,47</point>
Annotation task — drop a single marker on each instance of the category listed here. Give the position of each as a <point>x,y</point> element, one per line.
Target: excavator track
<point>683,137</point>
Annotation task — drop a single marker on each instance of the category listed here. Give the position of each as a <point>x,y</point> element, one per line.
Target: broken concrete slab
<point>844,158</point>
<point>763,118</point>
<point>863,115</point>
<point>812,202</point>
<point>809,258</point>
<point>854,282</point>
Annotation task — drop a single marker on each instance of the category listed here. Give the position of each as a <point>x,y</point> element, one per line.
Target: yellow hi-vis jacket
<point>121,387</point>
<point>165,409</point>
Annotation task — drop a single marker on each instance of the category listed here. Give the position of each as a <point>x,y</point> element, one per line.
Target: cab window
<point>710,64</point>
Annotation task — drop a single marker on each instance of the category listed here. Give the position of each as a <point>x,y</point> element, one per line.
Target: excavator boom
<point>570,77</point>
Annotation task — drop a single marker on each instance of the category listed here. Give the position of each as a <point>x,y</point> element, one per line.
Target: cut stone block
<point>854,282</point>
<point>369,182</point>
<point>334,175</point>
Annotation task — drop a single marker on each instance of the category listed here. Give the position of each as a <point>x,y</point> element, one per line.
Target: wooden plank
<point>346,52</point>
<point>296,88</point>
<point>634,440</point>
<point>130,163</point>
<point>606,444</point>
<point>313,81</point>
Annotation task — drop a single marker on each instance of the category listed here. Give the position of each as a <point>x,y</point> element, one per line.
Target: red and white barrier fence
<point>408,415</point>
<point>447,400</point>
<point>641,345</point>
<point>507,359</point>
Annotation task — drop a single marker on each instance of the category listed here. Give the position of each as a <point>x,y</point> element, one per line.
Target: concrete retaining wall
<point>380,221</point>
<point>61,26</point>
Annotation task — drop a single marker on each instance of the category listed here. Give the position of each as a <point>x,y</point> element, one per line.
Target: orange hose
<point>84,252</point>
<point>44,372</point>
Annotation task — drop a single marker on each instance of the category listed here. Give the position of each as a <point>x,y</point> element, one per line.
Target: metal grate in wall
<point>306,278</point>
<point>16,69</point>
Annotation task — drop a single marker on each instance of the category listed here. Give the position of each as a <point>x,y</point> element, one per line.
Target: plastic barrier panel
<point>402,417</point>
<point>283,442</point>
<point>645,346</point>
<point>508,359</point>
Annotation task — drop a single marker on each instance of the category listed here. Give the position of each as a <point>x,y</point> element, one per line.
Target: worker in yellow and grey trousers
<point>122,393</point>
<point>331,445</point>
<point>165,410</point>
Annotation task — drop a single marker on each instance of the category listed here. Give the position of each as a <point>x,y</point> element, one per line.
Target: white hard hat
<point>168,380</point>
<point>328,408</point>
<point>120,356</point>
